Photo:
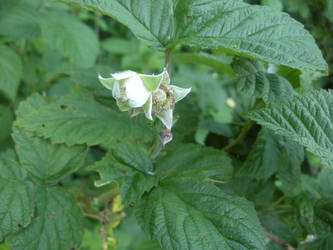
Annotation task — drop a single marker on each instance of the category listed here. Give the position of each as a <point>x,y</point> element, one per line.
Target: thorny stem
<point>277,240</point>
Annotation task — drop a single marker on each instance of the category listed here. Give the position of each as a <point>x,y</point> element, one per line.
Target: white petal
<point>166,117</point>
<point>116,90</point>
<point>180,93</point>
<point>148,107</point>
<point>123,75</point>
<point>107,82</point>
<point>136,92</point>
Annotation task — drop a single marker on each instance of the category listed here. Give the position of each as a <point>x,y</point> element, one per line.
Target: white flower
<point>151,94</point>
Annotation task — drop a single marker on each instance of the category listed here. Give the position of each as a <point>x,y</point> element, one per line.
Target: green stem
<point>247,126</point>
<point>168,58</point>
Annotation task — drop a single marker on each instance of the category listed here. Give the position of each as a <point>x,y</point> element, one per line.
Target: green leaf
<point>255,81</point>
<point>46,161</point>
<point>10,71</point>
<point>16,195</point>
<point>324,242</point>
<point>195,162</point>
<point>183,214</point>
<point>307,119</point>
<point>127,171</point>
<point>57,225</point>
<point>216,62</point>
<point>6,120</point>
<point>71,38</point>
<point>20,21</point>
<point>151,21</point>
<point>257,32</point>
<point>265,157</point>
<point>77,118</point>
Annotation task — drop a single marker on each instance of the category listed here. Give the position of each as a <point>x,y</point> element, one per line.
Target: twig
<point>277,240</point>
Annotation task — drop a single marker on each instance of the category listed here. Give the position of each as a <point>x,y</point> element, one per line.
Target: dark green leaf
<point>307,119</point>
<point>57,225</point>
<point>77,118</point>
<point>182,214</point>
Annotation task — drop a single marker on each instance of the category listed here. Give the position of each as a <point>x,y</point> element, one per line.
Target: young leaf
<point>255,81</point>
<point>307,119</point>
<point>77,118</point>
<point>130,168</point>
<point>10,71</point>
<point>265,157</point>
<point>184,214</point>
<point>16,195</point>
<point>46,161</point>
<point>57,225</point>
<point>71,38</point>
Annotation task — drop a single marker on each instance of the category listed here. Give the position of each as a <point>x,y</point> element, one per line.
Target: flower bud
<point>149,94</point>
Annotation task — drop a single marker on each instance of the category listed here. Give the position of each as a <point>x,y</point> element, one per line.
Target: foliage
<point>250,162</point>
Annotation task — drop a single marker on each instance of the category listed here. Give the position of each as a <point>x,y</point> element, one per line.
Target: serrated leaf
<point>16,195</point>
<point>130,174</point>
<point>57,225</point>
<point>253,31</point>
<point>46,161</point>
<point>150,20</point>
<point>257,32</point>
<point>71,38</point>
<point>77,118</point>
<point>194,161</point>
<point>10,71</point>
<point>182,214</point>
<point>253,80</point>
<point>307,119</point>
<point>265,157</point>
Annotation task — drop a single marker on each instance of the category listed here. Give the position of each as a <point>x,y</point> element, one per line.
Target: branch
<point>279,241</point>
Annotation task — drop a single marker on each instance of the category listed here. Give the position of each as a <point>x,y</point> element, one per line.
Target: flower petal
<point>107,82</point>
<point>136,92</point>
<point>166,117</point>
<point>116,90</point>
<point>124,75</point>
<point>179,93</point>
<point>148,107</point>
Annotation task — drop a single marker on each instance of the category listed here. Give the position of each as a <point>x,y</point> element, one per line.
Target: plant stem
<point>277,240</point>
<point>247,126</point>
<point>168,58</point>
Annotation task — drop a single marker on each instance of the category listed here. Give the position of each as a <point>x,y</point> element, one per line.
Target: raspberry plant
<point>230,147</point>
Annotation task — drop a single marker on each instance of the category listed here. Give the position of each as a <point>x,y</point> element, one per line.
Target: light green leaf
<point>193,161</point>
<point>46,161</point>
<point>253,31</point>
<point>57,225</point>
<point>20,21</point>
<point>10,71</point>
<point>151,21</point>
<point>71,38</point>
<point>307,119</point>
<point>128,172</point>
<point>77,118</point>
<point>265,156</point>
<point>255,81</point>
<point>16,195</point>
<point>216,62</point>
<point>183,214</point>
